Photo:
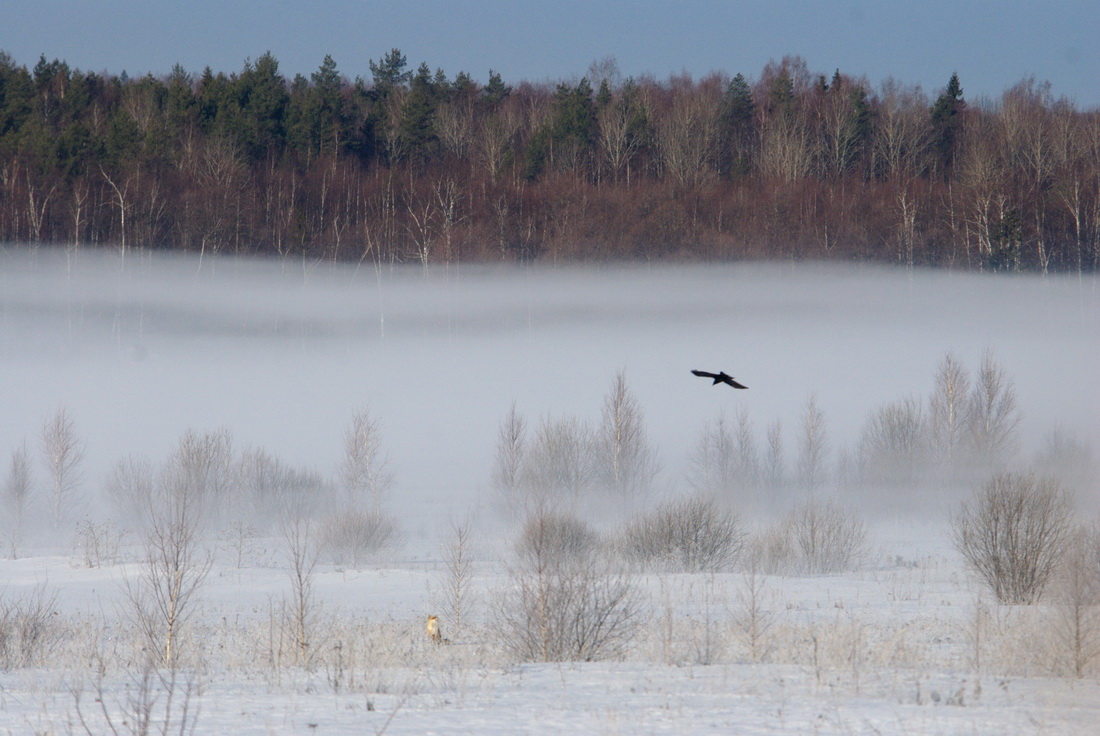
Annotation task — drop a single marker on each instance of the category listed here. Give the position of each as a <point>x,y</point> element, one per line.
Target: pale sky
<point>991,44</point>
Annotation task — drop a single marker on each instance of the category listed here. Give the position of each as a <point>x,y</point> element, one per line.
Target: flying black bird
<point>722,377</point>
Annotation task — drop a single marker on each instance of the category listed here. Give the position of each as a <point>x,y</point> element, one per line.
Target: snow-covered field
<point>280,355</point>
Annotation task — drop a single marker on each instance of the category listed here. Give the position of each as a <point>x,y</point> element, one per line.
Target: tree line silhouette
<point>412,166</point>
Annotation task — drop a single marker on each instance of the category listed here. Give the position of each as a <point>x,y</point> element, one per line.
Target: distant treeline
<point>412,166</point>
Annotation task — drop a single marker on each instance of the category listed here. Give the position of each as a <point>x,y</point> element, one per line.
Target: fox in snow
<point>433,629</point>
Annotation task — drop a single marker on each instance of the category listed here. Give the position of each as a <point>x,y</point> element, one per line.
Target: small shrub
<point>351,537</point>
<point>1076,623</point>
<point>555,538</point>
<point>576,612</point>
<point>771,551</point>
<point>827,537</point>
<point>691,535</point>
<point>1012,533</point>
<point>27,629</point>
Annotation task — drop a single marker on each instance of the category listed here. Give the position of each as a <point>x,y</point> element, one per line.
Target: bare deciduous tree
<point>690,535</point>
<point>507,477</point>
<point>561,608</point>
<point>202,468</point>
<point>64,452</point>
<point>165,595</point>
<point>893,443</point>
<point>1077,595</point>
<point>17,496</point>
<point>129,486</point>
<point>754,619</point>
<point>457,575</point>
<point>300,608</point>
<point>827,537</point>
<point>948,411</point>
<point>350,536</point>
<point>902,133</point>
<point>812,452</point>
<point>1011,533</point>
<point>365,470</point>
<point>687,137</point>
<point>993,415</point>
<point>773,469</point>
<point>560,463</point>
<point>714,460</point>
<point>627,463</point>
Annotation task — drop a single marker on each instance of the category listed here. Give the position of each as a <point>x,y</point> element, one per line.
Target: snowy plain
<point>281,353</point>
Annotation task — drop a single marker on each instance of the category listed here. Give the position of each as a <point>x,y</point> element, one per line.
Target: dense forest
<point>412,166</point>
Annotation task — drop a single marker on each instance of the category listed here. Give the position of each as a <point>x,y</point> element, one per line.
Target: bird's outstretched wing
<point>722,377</point>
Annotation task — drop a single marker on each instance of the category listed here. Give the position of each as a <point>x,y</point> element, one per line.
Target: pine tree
<point>946,121</point>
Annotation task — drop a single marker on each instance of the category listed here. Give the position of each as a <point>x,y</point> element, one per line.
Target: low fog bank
<point>283,355</point>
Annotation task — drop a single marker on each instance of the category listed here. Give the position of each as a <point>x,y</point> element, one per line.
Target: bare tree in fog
<point>828,537</point>
<point>714,460</point>
<point>893,442</point>
<point>365,470</point>
<point>299,610</point>
<point>1077,593</point>
<point>164,597</point>
<point>457,575</point>
<point>63,452</point>
<point>626,462</point>
<point>262,482</point>
<point>129,486</point>
<point>993,415</point>
<point>949,405</point>
<point>507,477</point>
<point>202,466</point>
<point>812,452</point>
<point>17,496</point>
<point>724,461</point>
<point>748,459</point>
<point>560,464</point>
<point>773,468</point>
<point>1066,457</point>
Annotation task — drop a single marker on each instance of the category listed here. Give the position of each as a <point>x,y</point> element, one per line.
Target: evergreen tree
<point>416,129</point>
<point>389,73</point>
<point>738,128</point>
<point>495,91</point>
<point>263,99</point>
<point>946,121</point>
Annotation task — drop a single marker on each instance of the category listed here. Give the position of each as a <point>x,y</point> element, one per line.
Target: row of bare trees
<point>416,167</point>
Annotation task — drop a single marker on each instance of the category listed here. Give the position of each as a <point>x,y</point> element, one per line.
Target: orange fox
<point>433,629</point>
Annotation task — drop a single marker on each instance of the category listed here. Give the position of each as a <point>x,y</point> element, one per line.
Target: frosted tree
<point>365,471</point>
<point>724,461</point>
<point>893,442</point>
<point>560,464</point>
<point>948,410</point>
<point>507,476</point>
<point>63,453</point>
<point>748,459</point>
<point>165,596</point>
<point>992,414</point>
<point>714,459</point>
<point>812,452</point>
<point>627,462</point>
<point>773,467</point>
<point>203,467</point>
<point>17,495</point>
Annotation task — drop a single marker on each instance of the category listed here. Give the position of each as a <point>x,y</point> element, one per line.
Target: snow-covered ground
<point>281,355</point>
<point>888,650</point>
